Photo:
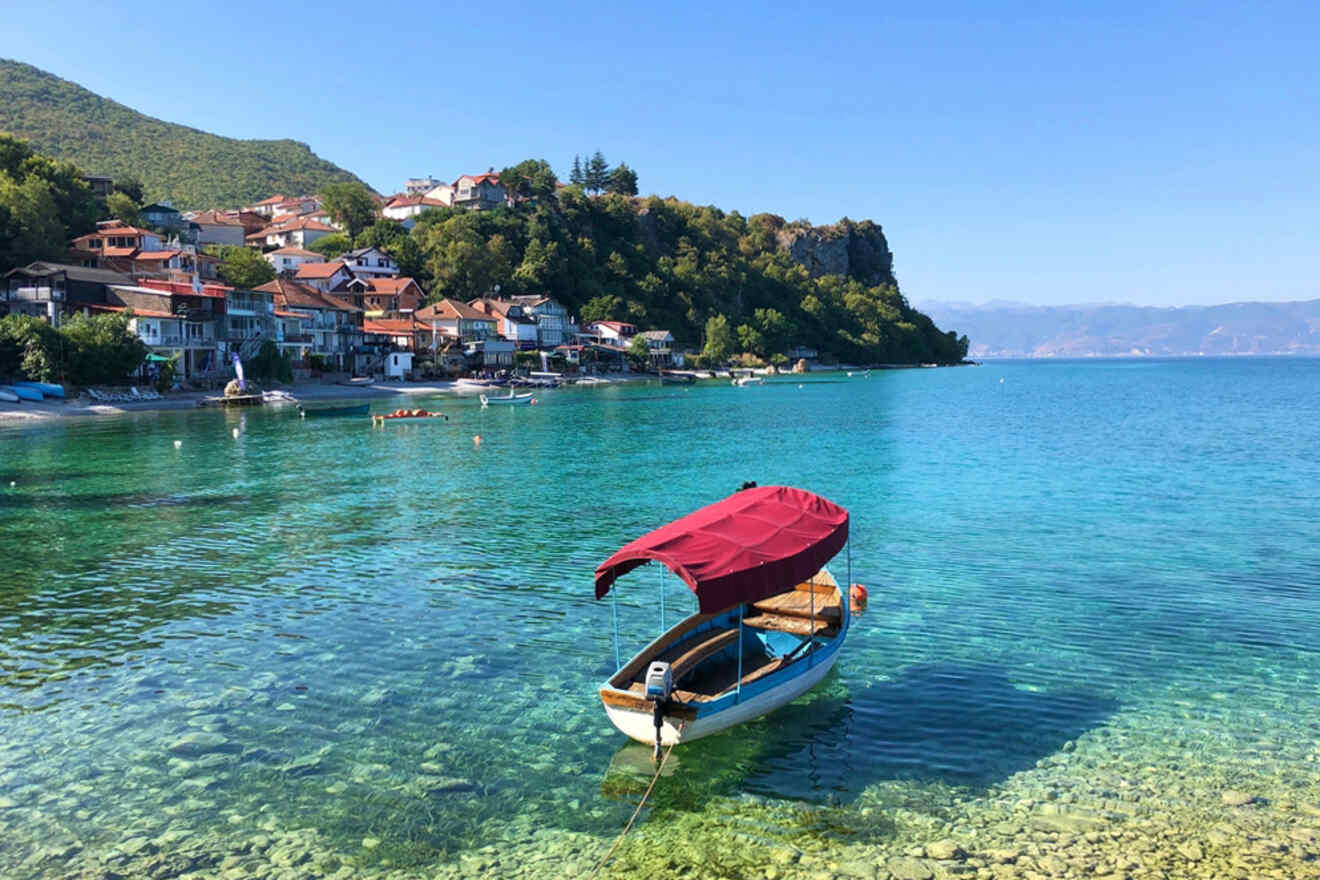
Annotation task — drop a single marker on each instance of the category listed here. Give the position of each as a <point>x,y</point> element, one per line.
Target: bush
<point>99,350</point>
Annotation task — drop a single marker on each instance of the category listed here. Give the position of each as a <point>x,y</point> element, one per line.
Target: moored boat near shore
<point>354,409</point>
<point>770,621</point>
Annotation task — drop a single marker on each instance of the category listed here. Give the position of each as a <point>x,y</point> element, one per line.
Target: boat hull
<point>522,399</point>
<point>641,725</point>
<point>26,393</point>
<point>46,388</point>
<point>8,396</point>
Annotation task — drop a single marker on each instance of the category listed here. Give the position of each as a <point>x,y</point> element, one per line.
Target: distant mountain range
<point>1001,329</point>
<point>192,168</point>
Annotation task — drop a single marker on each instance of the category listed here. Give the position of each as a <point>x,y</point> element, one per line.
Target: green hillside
<point>192,168</point>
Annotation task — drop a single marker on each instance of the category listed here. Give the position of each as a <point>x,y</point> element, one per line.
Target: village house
<point>405,209</point>
<point>286,260</point>
<point>51,290</point>
<point>215,227</point>
<point>115,239</point>
<point>553,327</point>
<point>618,333</point>
<point>101,186</point>
<point>514,325</point>
<point>370,261</point>
<point>268,207</point>
<point>479,192</point>
<point>325,277</point>
<point>161,216</point>
<point>172,319</point>
<point>417,186</point>
<point>331,324</point>
<point>661,346</point>
<point>298,232</point>
<point>381,297</point>
<point>249,320</point>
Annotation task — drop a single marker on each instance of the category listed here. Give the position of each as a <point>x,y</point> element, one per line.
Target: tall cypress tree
<point>598,172</point>
<point>575,176</point>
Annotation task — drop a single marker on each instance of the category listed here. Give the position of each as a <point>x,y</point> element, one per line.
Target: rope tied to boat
<point>626,828</point>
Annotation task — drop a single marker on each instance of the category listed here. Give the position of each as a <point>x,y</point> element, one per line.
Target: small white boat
<point>525,399</point>
<point>749,380</point>
<point>864,374</point>
<point>770,622</point>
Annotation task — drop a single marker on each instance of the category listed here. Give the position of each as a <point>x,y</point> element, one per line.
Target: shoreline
<point>26,412</point>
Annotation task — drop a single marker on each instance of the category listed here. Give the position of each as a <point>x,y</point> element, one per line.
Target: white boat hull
<point>641,725</point>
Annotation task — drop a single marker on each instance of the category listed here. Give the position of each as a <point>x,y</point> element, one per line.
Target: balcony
<point>36,294</point>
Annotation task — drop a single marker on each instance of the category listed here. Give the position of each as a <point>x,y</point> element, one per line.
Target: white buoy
<point>12,484</point>
<point>178,444</point>
<point>236,433</point>
<point>1001,381</point>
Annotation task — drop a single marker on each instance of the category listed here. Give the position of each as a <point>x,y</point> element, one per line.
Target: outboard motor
<point>659,685</point>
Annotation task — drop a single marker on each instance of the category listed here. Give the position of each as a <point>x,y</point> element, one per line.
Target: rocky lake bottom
<point>277,654</point>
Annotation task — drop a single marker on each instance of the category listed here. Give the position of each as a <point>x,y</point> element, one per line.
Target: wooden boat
<point>47,388</point>
<point>355,409</point>
<point>524,399</point>
<point>749,380</point>
<point>406,414</point>
<point>770,621</point>
<point>671,377</point>
<point>7,394</point>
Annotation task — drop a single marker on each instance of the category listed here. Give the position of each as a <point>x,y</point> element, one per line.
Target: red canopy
<point>753,544</point>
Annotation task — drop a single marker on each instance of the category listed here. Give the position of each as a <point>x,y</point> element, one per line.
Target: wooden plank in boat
<point>636,702</point>
<point>717,641</point>
<point>797,603</point>
<point>798,626</point>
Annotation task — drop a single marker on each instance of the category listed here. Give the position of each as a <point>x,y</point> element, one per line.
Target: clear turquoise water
<point>390,632</point>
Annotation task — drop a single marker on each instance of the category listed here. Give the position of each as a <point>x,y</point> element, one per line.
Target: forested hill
<point>192,168</point>
<point>715,279</point>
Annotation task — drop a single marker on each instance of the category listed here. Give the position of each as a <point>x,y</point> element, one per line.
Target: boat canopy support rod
<point>614,612</point>
<point>737,691</point>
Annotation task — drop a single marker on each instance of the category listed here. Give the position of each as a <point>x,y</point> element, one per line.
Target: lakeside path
<point>28,411</point>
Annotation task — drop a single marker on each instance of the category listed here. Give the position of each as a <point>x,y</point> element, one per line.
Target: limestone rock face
<point>854,250</point>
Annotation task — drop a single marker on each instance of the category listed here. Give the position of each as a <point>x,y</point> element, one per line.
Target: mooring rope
<point>618,840</point>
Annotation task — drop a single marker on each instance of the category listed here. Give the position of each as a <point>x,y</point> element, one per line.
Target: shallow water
<point>1094,594</point>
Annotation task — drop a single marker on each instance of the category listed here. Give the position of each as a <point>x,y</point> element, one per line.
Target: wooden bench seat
<point>684,657</point>
<point>798,626</point>
<point>798,603</point>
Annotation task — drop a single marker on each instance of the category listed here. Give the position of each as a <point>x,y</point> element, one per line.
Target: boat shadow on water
<point>954,726</point>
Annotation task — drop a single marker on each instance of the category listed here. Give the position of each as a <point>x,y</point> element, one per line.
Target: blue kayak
<point>7,394</point>
<point>25,392</point>
<point>45,388</point>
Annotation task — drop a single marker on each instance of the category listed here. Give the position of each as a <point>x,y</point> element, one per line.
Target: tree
<point>332,245</point>
<point>30,227</point>
<point>601,308</point>
<point>244,267</point>
<point>381,234</point>
<point>639,352</point>
<point>750,339</point>
<point>349,204</point>
<point>131,187</point>
<point>622,180</point>
<point>101,349</point>
<point>408,254</point>
<point>122,208</point>
<point>719,340</point>
<point>530,179</point>
<point>597,172</point>
<point>575,176</point>
<point>776,330</point>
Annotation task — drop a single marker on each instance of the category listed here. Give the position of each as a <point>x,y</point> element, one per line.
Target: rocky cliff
<point>854,250</point>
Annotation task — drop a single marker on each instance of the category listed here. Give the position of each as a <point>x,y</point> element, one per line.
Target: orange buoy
<point>857,596</point>
<point>476,441</point>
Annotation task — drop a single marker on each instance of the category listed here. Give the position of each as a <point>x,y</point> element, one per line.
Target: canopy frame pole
<point>662,600</point>
<point>847,597</point>
<point>811,651</point>
<point>614,612</point>
<point>737,691</point>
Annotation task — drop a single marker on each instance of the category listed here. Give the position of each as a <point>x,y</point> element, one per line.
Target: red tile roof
<point>296,252</point>
<point>182,288</point>
<point>389,285</point>
<point>320,270</point>
<point>392,326</point>
<point>448,309</point>
<point>273,200</point>
<point>215,218</point>
<point>291,294</point>
<point>158,255</point>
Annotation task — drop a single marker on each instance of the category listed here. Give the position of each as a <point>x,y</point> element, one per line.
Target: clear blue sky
<point>1147,152</point>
